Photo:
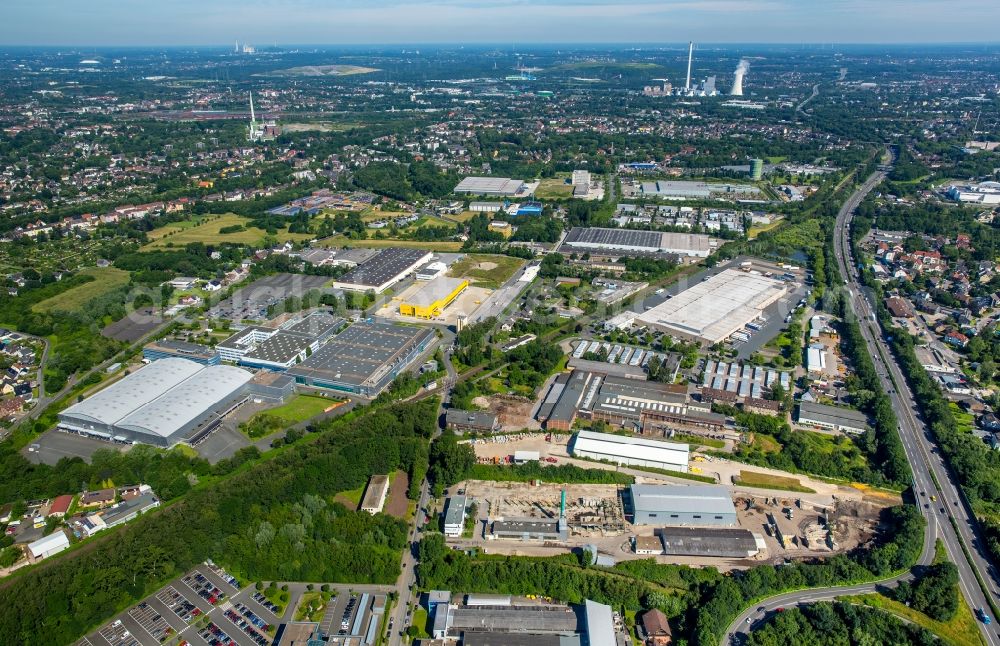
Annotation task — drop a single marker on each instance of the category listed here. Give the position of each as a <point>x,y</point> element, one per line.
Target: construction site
<point>540,519</point>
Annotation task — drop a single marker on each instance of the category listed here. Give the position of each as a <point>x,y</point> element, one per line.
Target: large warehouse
<point>630,242</point>
<point>710,311</point>
<point>383,270</point>
<point>168,401</point>
<point>433,297</point>
<point>635,451</point>
<point>681,505</point>
<point>495,186</point>
<point>364,358</point>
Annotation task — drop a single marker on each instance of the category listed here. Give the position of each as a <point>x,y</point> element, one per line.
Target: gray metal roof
<point>186,401</point>
<point>474,418</point>
<point>684,499</point>
<point>600,624</point>
<point>705,541</point>
<point>832,415</point>
<point>141,387</point>
<point>279,348</point>
<point>455,512</point>
<point>362,353</point>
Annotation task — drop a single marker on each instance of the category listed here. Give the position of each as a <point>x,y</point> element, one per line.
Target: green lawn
<point>298,409</point>
<point>486,270</point>
<point>963,421</point>
<point>311,606</point>
<point>301,407</point>
<point>207,231</point>
<point>554,188</point>
<point>768,481</point>
<point>106,280</point>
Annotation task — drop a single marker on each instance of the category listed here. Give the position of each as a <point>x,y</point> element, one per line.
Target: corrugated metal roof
<point>631,447</point>
<point>701,499</point>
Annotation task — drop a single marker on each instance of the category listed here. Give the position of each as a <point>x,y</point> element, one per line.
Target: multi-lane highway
<point>920,452</point>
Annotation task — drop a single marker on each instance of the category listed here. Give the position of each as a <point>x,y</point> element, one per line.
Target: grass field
<point>311,606</point>
<point>553,189</point>
<point>351,499</point>
<point>301,407</point>
<point>341,241</point>
<point>768,481</point>
<point>758,229</point>
<point>107,279</point>
<point>962,630</point>
<point>207,231</point>
<point>963,421</point>
<point>486,270</point>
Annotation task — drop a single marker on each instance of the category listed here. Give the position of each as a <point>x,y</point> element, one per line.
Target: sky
<point>333,22</point>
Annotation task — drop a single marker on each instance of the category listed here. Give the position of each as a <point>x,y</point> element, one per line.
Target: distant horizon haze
<point>141,23</point>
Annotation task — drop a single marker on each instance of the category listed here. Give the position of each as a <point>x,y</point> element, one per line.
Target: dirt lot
<point>796,528</point>
<point>514,412</point>
<point>504,445</point>
<point>397,503</point>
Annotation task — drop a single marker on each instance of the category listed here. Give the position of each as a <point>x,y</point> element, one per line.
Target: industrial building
<point>736,382</point>
<point>471,421</point>
<point>722,542</point>
<point>429,302</point>
<point>492,186</point>
<point>695,190</point>
<point>168,401</point>
<point>629,242</point>
<point>364,358</point>
<point>181,349</point>
<point>375,494</point>
<point>668,505</point>
<point>383,270</point>
<point>279,348</point>
<point>495,620</point>
<point>631,451</point>
<point>594,391</point>
<point>48,545</point>
<point>833,418</point>
<point>982,193</point>
<point>712,310</point>
<point>454,516</point>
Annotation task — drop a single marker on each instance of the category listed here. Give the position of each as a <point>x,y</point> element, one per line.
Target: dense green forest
<point>274,520</point>
<point>838,624</point>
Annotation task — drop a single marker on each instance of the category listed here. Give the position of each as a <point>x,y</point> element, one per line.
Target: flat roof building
<point>181,349</point>
<point>630,242</point>
<point>728,542</point>
<point>454,516</point>
<point>383,270</point>
<point>496,186</point>
<point>834,418</point>
<point>163,403</point>
<point>471,421</point>
<point>711,311</point>
<point>375,494</point>
<point>429,302</point>
<point>695,190</point>
<point>364,358</point>
<point>669,505</point>
<point>631,451</point>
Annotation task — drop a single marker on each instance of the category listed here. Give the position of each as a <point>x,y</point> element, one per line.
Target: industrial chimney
<point>687,84</point>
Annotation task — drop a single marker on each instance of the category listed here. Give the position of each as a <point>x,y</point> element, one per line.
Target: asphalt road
<point>920,452</point>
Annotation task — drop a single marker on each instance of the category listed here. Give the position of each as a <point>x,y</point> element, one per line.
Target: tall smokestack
<point>687,84</point>
<point>741,70</point>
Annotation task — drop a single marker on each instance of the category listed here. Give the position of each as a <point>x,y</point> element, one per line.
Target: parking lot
<point>54,445</point>
<point>208,607</point>
<point>205,607</point>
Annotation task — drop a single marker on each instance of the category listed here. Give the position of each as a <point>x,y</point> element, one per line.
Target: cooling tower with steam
<point>741,70</point>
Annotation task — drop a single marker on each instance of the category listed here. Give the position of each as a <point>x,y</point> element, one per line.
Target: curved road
<point>920,452</point>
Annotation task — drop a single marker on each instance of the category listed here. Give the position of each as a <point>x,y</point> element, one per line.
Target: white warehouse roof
<point>141,387</point>
<point>55,541</point>
<point>631,448</point>
<point>187,401</point>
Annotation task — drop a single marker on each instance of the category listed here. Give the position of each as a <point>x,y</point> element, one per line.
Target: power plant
<point>741,71</point>
<point>705,88</point>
